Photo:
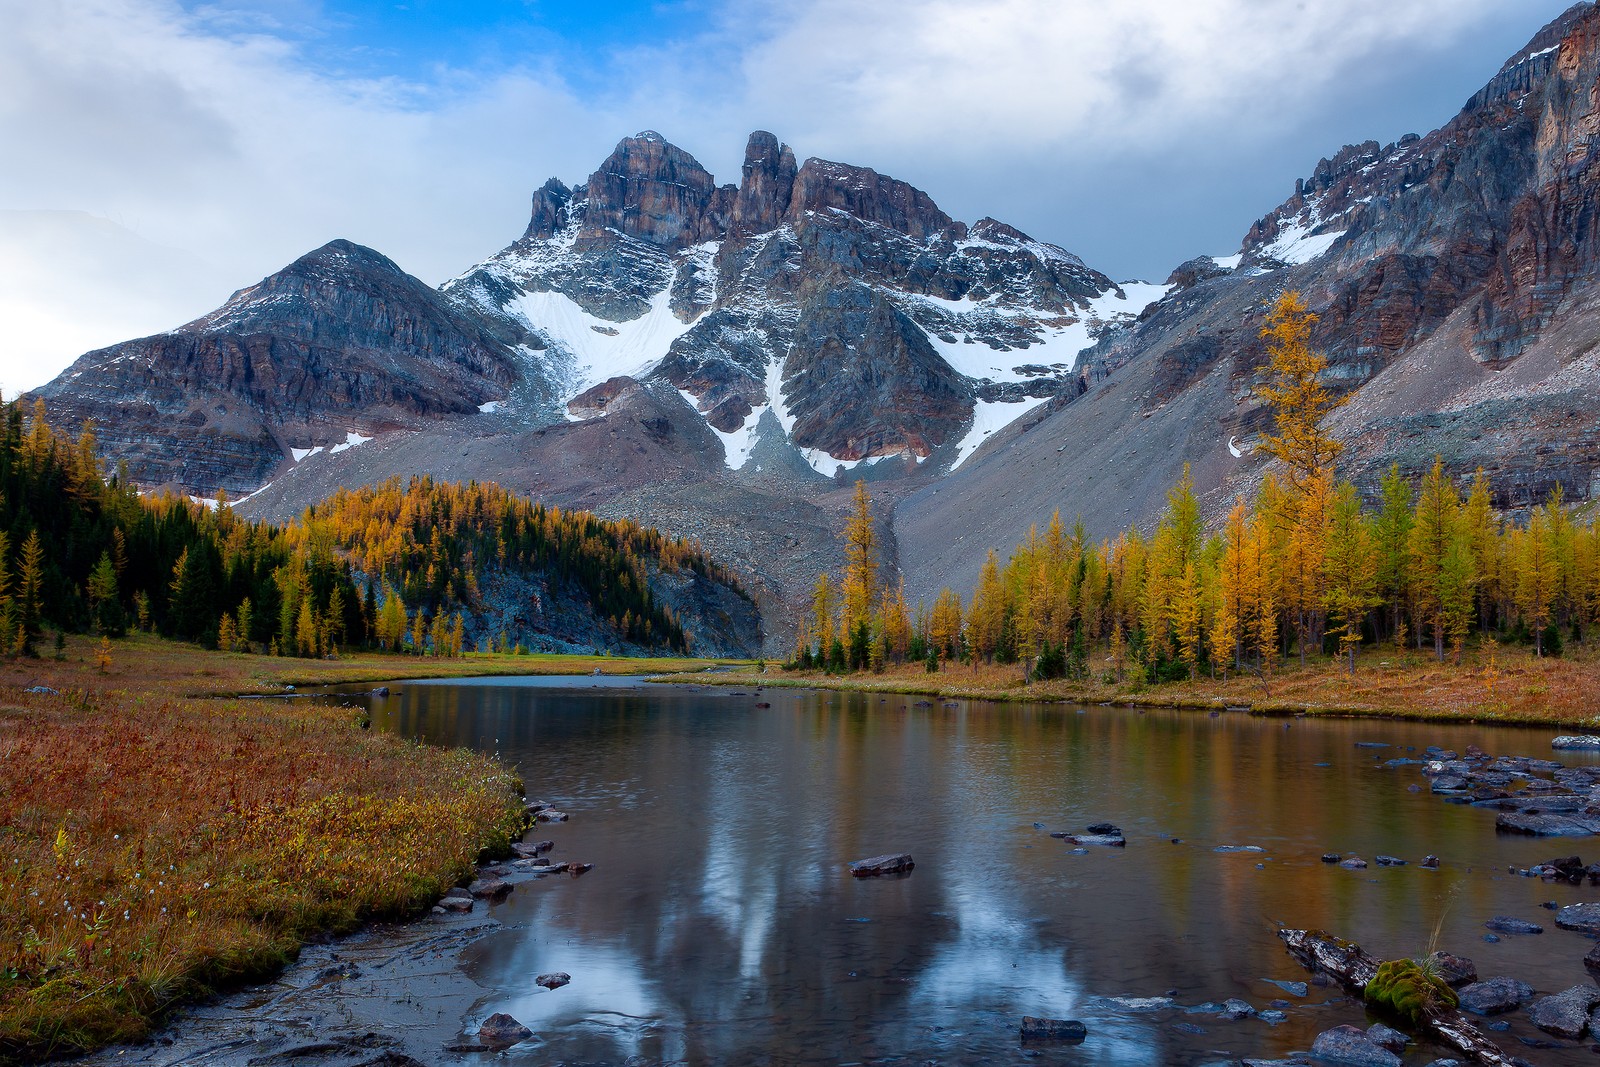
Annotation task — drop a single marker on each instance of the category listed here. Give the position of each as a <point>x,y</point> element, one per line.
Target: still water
<point>720,923</point>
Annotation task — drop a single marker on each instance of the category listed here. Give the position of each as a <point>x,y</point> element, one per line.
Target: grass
<point>159,841</point>
<point>1498,685</point>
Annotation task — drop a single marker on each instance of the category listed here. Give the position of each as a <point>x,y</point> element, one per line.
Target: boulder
<point>491,889</point>
<point>1390,861</point>
<point>501,1030</point>
<point>1387,1037</point>
<point>1456,971</point>
<point>1233,1008</point>
<point>553,980</point>
<point>458,904</point>
<point>1542,825</point>
<point>889,863</point>
<point>1566,1014</point>
<point>1576,741</point>
<point>1591,962</point>
<point>1067,1030</point>
<point>1494,995</point>
<point>1507,925</point>
<point>1105,828</point>
<point>550,815</point>
<point>1354,863</point>
<point>1584,918</point>
<point>1349,1045</point>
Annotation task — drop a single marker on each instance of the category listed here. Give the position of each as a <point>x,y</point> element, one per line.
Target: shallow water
<point>720,923</point>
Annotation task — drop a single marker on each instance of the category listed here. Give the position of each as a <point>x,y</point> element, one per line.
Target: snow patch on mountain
<point>597,348</point>
<point>988,417</point>
<point>1297,244</point>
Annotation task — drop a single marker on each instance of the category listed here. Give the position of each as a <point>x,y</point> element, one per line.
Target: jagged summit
<point>821,307</point>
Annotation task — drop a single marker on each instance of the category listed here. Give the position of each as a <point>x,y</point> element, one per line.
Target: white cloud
<point>214,132</point>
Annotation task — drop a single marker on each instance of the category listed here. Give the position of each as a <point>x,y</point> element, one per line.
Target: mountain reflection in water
<point>720,923</point>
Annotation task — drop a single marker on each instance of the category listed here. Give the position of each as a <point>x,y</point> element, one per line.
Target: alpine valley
<point>723,361</point>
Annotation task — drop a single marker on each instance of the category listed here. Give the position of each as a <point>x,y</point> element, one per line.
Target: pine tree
<point>30,582</point>
<point>860,562</point>
<point>1350,571</point>
<point>1432,526</point>
<point>1392,543</point>
<point>1299,398</point>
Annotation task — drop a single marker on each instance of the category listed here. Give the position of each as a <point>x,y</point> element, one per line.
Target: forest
<point>398,566</point>
<point>1308,566</point>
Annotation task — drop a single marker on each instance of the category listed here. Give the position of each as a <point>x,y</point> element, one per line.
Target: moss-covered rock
<point>1409,990</point>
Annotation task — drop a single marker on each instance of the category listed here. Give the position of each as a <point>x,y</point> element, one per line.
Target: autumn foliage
<point>399,566</point>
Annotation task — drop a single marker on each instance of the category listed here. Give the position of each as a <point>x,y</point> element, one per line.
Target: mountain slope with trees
<point>421,567</point>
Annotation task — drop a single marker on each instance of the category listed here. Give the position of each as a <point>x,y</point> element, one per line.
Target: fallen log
<point>1346,963</point>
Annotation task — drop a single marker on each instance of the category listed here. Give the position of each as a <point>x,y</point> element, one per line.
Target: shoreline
<point>284,823</point>
<point>1507,694</point>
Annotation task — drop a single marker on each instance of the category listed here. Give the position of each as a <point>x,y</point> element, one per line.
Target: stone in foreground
<point>1068,1030</point>
<point>1584,918</point>
<point>501,1030</point>
<point>889,863</point>
<point>1349,1045</point>
<point>1494,995</point>
<point>1566,1014</point>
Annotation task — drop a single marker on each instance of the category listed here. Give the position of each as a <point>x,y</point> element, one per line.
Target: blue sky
<point>163,154</point>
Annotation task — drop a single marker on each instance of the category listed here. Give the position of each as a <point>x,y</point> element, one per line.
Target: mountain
<point>702,357</point>
<point>1454,276</point>
<point>713,359</point>
<point>338,346</point>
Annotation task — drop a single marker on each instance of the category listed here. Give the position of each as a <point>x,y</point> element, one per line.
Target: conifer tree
<point>1299,399</point>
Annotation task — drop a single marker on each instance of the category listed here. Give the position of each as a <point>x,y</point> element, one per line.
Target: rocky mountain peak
<point>550,202</point>
<point>766,186</point>
<point>656,192</point>
<point>822,185</point>
<point>1550,37</point>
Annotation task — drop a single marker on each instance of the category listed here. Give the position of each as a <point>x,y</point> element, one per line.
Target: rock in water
<point>1507,925</point>
<point>1576,741</point>
<point>553,980</point>
<point>1349,1045</point>
<point>491,889</point>
<point>1456,971</point>
<point>889,863</point>
<point>1494,995</point>
<point>1388,1038</point>
<point>1584,918</point>
<point>1566,1014</point>
<point>1068,1030</point>
<point>501,1030</point>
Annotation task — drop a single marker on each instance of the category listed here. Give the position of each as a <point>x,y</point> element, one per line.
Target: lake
<point>720,923</point>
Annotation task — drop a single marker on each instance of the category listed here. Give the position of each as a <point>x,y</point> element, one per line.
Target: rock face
<point>341,341</point>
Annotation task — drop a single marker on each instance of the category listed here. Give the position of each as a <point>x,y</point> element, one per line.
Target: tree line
<point>398,566</point>
<point>1305,567</point>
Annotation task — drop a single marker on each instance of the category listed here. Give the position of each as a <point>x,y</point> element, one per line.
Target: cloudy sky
<point>159,154</point>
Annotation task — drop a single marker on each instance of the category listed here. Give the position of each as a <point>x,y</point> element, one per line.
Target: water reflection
<point>720,925</point>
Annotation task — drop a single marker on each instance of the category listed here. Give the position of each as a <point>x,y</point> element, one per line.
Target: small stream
<point>720,924</point>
